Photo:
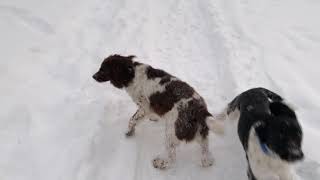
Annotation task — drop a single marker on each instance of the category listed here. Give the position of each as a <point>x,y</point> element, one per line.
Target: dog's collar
<point>263,146</point>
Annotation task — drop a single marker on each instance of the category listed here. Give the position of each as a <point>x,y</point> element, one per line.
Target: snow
<point>57,123</point>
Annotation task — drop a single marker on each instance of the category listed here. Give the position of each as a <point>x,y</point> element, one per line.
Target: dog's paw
<point>160,163</point>
<point>206,162</point>
<point>130,133</point>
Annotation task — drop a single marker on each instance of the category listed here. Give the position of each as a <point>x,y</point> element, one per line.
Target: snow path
<point>57,123</point>
<point>179,39</point>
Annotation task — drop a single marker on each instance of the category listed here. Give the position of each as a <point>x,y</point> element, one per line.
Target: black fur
<point>119,70</point>
<point>153,73</point>
<point>162,102</point>
<point>192,118</point>
<point>278,125</point>
<point>165,79</point>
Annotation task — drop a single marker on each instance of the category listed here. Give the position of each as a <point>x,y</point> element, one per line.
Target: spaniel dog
<point>160,95</point>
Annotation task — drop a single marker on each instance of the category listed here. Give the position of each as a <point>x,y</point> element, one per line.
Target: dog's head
<point>282,133</point>
<point>285,139</point>
<point>119,70</point>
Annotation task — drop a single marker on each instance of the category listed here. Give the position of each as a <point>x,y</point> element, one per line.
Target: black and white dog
<point>160,95</point>
<point>269,132</point>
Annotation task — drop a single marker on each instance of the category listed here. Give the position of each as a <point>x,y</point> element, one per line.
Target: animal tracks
<point>26,18</point>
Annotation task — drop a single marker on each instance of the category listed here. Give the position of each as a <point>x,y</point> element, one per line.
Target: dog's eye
<point>130,69</point>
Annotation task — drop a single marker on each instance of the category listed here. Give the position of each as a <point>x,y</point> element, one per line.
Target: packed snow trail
<point>167,37</point>
<point>57,123</point>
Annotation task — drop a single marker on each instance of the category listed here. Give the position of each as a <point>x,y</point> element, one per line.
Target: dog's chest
<point>137,95</point>
<point>259,161</point>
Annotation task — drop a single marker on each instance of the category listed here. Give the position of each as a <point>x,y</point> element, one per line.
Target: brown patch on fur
<point>191,119</point>
<point>162,102</point>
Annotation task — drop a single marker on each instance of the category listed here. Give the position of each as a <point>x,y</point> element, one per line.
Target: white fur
<point>223,115</point>
<point>140,90</point>
<point>215,124</point>
<point>141,87</point>
<point>206,156</point>
<point>263,165</point>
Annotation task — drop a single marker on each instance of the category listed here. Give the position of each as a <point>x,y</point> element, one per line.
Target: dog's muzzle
<point>97,77</point>
<point>295,155</point>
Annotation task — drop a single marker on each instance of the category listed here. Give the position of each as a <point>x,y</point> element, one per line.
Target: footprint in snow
<point>28,19</point>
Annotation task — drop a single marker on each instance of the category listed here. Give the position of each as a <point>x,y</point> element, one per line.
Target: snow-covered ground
<point>56,123</point>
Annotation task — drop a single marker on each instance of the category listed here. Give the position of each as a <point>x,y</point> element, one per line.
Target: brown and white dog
<point>160,95</point>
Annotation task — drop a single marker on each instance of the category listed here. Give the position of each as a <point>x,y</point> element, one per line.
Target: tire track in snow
<point>247,56</point>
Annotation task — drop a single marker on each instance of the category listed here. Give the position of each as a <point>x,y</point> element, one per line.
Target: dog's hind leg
<point>206,156</point>
<point>171,142</point>
<point>137,117</point>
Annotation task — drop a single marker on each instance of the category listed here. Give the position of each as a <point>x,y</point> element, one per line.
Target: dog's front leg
<point>137,117</point>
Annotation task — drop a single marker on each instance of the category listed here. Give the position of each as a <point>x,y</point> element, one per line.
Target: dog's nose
<point>301,155</point>
<point>95,76</point>
<point>297,155</point>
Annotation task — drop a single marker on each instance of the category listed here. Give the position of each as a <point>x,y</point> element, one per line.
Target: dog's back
<point>256,99</point>
<point>253,105</point>
<point>281,109</point>
<point>267,125</point>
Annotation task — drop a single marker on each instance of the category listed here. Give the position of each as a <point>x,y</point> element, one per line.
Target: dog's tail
<point>215,124</point>
<point>229,112</point>
<point>233,105</point>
